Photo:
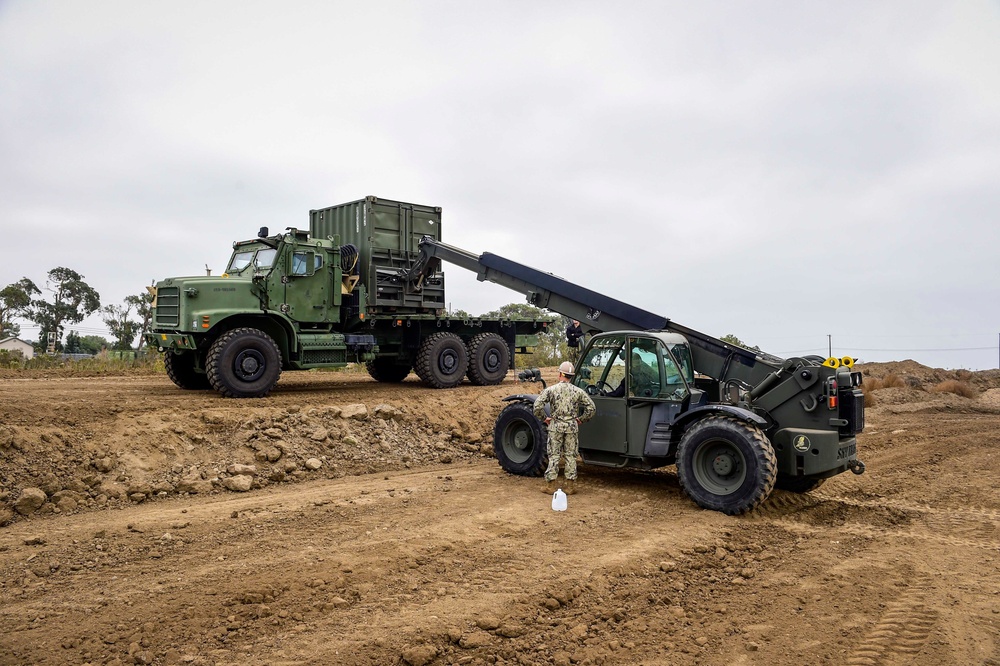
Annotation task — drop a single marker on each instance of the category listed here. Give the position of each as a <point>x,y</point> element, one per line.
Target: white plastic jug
<point>559,500</point>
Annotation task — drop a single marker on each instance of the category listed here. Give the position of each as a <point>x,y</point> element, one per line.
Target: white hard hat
<point>566,368</point>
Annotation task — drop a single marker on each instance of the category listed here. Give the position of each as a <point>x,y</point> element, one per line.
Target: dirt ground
<point>342,521</point>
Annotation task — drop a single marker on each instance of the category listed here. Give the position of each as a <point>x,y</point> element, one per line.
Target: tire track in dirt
<point>975,527</point>
<point>901,631</point>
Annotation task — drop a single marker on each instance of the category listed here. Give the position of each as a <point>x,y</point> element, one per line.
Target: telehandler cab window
<point>683,355</point>
<point>644,369</point>
<point>653,372</point>
<point>604,366</point>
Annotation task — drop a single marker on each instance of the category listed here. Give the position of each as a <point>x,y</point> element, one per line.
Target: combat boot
<point>548,487</point>
<point>570,487</point>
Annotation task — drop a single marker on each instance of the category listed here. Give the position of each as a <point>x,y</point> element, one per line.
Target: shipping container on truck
<point>327,297</point>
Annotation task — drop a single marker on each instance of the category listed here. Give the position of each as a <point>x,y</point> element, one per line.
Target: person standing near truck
<point>565,402</point>
<point>574,333</point>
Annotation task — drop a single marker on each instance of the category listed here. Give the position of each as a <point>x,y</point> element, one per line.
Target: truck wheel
<point>180,369</point>
<point>797,484</point>
<point>243,363</point>
<point>442,360</point>
<point>489,359</point>
<point>519,441</point>
<point>726,465</point>
<point>388,370</point>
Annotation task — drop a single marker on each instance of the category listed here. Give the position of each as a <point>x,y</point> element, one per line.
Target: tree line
<point>64,300</point>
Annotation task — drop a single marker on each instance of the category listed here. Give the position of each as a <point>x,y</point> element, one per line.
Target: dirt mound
<point>911,387</point>
<point>108,441</point>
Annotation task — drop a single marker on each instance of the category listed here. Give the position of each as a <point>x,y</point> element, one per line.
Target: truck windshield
<point>261,258</point>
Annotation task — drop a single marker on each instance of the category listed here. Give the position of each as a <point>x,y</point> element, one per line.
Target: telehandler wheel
<point>442,360</point>
<point>726,465</point>
<point>489,359</point>
<point>797,484</point>
<point>180,369</point>
<point>388,370</point>
<point>519,441</point>
<point>243,363</point>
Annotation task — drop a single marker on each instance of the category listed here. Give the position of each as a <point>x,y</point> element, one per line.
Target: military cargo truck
<point>327,297</point>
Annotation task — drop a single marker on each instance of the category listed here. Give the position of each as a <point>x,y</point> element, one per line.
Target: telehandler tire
<point>442,360</point>
<point>797,484</point>
<point>388,370</point>
<point>726,465</point>
<point>519,441</point>
<point>180,369</point>
<point>489,359</point>
<point>243,363</point>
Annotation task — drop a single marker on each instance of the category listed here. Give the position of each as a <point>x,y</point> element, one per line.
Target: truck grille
<point>852,410</point>
<point>168,307</point>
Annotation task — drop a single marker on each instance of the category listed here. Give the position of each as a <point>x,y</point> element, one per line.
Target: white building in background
<point>17,344</point>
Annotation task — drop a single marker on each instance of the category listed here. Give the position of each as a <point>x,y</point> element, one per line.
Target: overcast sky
<point>779,171</point>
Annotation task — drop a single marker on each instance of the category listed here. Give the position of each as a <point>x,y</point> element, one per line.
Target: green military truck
<point>327,297</point>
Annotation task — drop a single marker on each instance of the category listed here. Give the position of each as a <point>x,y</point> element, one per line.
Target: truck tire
<point>726,465</point>
<point>519,441</point>
<point>180,369</point>
<point>243,363</point>
<point>388,370</point>
<point>489,359</point>
<point>442,360</point>
<point>797,484</point>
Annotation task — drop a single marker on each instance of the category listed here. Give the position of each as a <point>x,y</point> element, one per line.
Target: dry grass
<point>888,381</point>
<point>893,381</point>
<point>872,384</point>
<point>957,387</point>
<point>869,398</point>
<point>104,364</point>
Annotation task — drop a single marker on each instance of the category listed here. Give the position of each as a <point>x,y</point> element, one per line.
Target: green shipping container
<point>386,234</point>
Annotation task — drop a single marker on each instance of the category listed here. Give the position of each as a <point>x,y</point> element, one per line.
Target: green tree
<point>15,299</point>
<point>552,348</point>
<point>518,310</point>
<point>72,345</point>
<point>118,320</point>
<point>87,344</point>
<point>93,344</point>
<point>143,302</point>
<point>72,301</point>
<point>733,340</point>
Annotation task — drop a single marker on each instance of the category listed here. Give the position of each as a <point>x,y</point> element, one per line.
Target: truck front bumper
<point>171,341</point>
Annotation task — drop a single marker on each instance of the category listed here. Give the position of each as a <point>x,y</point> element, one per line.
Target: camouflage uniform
<point>564,402</point>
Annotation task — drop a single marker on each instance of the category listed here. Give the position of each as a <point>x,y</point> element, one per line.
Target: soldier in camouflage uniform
<point>564,401</point>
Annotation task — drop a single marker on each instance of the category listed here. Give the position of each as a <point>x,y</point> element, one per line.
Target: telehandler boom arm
<point>597,312</point>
